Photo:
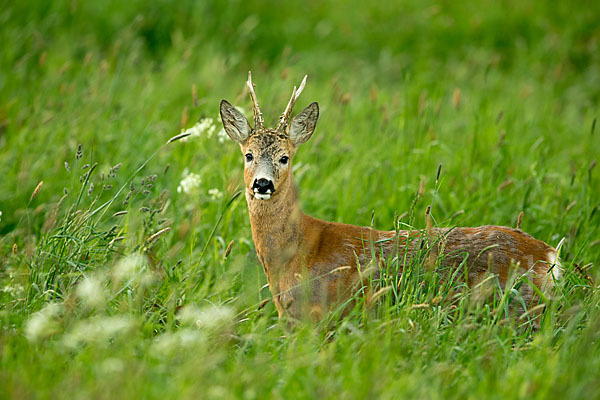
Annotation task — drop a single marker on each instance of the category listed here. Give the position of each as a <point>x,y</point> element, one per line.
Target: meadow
<point>127,267</point>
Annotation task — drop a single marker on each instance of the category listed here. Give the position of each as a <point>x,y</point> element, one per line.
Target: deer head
<point>268,152</point>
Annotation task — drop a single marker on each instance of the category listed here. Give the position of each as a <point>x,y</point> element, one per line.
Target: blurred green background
<point>503,94</point>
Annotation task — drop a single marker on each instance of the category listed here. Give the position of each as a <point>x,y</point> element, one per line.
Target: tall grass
<point>131,272</point>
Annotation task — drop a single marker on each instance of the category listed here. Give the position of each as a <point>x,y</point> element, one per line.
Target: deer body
<point>313,265</point>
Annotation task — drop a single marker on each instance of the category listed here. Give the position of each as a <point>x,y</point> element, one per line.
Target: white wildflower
<point>43,323</point>
<point>222,136</point>
<point>215,194</point>
<point>90,292</point>
<point>214,317</point>
<point>190,182</point>
<point>188,314</point>
<point>204,126</point>
<point>165,344</point>
<point>127,267</point>
<point>112,366</point>
<point>206,318</point>
<point>208,126</point>
<point>0,216</point>
<point>183,339</point>
<point>14,290</point>
<point>217,392</point>
<point>99,330</point>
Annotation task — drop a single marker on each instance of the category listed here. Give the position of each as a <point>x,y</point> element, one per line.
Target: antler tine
<point>258,119</point>
<point>285,117</point>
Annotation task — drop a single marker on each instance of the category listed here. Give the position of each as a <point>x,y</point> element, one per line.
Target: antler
<point>258,119</point>
<point>285,117</point>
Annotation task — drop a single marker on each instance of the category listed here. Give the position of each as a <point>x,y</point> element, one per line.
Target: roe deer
<point>293,246</point>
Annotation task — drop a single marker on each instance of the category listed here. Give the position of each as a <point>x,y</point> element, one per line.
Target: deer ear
<point>303,124</point>
<point>235,123</point>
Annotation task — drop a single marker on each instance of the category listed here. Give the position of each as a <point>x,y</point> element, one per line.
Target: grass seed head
<point>456,99</point>
<point>179,137</point>
<point>158,234</point>
<point>36,191</point>
<point>421,190</point>
<point>228,249</point>
<point>519,220</point>
<point>377,295</point>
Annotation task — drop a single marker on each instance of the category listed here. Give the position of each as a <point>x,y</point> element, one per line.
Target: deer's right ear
<point>303,124</point>
<point>234,122</point>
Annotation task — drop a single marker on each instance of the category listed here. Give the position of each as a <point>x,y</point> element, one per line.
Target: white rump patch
<point>552,258</point>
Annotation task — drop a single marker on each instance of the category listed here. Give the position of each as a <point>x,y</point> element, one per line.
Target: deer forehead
<point>269,144</point>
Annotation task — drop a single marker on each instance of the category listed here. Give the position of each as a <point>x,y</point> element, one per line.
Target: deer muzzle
<point>263,188</point>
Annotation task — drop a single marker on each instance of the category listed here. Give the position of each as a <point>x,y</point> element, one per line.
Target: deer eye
<point>284,160</point>
<point>249,157</point>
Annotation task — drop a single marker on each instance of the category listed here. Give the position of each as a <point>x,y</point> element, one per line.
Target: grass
<point>115,279</point>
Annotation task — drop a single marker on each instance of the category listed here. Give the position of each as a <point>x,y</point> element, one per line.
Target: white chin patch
<point>260,196</point>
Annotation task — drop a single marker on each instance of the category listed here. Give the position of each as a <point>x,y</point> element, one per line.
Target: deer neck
<point>276,228</point>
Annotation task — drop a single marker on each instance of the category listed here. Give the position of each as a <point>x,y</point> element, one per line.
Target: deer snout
<point>263,186</point>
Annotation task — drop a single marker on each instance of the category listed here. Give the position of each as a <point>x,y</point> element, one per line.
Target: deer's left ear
<point>303,124</point>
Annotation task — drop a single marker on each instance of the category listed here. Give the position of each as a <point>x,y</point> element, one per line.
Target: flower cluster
<point>43,323</point>
<point>14,290</point>
<point>215,194</point>
<point>190,183</point>
<point>207,127</point>
<point>222,136</point>
<point>90,292</point>
<point>204,126</point>
<point>98,329</point>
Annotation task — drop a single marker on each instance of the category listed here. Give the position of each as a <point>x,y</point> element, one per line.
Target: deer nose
<point>263,186</point>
